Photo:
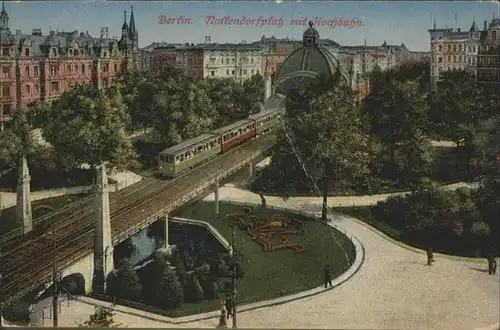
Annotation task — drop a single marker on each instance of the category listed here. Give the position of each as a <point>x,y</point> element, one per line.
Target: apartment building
<point>37,67</point>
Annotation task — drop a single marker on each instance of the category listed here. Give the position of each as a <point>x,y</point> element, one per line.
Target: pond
<point>143,244</point>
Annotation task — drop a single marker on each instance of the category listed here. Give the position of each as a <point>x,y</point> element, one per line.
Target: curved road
<point>394,289</point>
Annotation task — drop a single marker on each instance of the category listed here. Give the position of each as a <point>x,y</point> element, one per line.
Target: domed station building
<point>310,61</point>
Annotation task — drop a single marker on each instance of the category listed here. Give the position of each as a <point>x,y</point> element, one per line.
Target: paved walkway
<point>393,289</point>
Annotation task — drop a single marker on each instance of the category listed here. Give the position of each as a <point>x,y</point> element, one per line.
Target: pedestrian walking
<point>328,276</point>
<point>223,314</point>
<point>262,200</point>
<point>492,265</point>
<point>229,307</point>
<point>430,257</point>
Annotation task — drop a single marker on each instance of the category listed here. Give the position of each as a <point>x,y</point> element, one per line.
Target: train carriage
<point>188,154</point>
<point>236,133</point>
<point>264,121</point>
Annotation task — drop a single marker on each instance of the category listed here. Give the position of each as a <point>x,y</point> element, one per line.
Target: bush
<point>193,291</point>
<point>124,283</point>
<point>170,294</point>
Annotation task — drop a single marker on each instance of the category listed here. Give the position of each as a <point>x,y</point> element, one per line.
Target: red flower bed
<point>272,234</point>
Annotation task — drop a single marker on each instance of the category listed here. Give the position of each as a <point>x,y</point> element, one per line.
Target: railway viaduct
<point>82,236</point>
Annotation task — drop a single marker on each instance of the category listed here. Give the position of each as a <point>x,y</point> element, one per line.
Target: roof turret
<point>474,27</point>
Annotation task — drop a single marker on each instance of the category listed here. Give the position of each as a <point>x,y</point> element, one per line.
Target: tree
<point>326,135</point>
<point>169,294</point>
<point>88,126</point>
<point>103,317</point>
<point>414,160</point>
<point>396,112</point>
<point>124,283</point>
<point>227,98</point>
<point>138,89</point>
<point>253,91</point>
<point>182,110</point>
<point>10,150</point>
<point>457,104</point>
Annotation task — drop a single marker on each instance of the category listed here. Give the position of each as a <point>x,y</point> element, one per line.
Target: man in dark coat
<point>262,200</point>
<point>328,276</point>
<point>229,306</point>
<point>492,265</point>
<point>430,257</point>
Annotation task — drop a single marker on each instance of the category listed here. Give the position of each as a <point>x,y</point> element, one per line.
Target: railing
<point>38,317</point>
<point>188,196</point>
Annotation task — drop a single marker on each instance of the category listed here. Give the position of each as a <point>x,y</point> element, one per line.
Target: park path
<point>393,289</point>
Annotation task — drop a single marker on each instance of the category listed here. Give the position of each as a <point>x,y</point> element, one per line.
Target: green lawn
<point>273,274</point>
<point>39,208</point>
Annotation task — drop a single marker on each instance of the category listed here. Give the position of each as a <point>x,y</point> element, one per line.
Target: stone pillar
<point>267,87</point>
<point>103,247</point>
<point>23,205</point>
<point>216,194</point>
<point>165,218</point>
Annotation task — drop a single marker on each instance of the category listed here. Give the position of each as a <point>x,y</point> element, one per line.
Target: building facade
<point>37,67</point>
<point>488,63</point>
<point>475,51</point>
<point>237,61</point>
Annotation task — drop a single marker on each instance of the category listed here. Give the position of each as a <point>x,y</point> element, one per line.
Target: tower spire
<point>124,17</point>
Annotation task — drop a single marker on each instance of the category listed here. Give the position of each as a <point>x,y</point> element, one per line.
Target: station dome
<point>308,62</point>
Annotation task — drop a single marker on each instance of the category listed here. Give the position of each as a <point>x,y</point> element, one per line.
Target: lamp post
<point>55,279</point>
<point>233,265</point>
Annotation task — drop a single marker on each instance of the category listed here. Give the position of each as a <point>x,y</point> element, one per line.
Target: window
<point>460,47</point>
<point>35,71</point>
<point>105,82</point>
<point>53,70</point>
<point>54,87</point>
<point>27,71</point>
<point>6,109</point>
<point>212,73</point>
<point>440,48</point>
<point>227,72</point>
<point>449,48</point>
<point>454,47</point>
<point>54,52</point>
<point>37,89</point>
<point>28,89</point>
<point>454,58</point>
<point>69,68</point>
<point>76,68</point>
<point>26,51</point>
<point>232,72</point>
<point>440,60</point>
<point>449,58</point>
<point>5,51</point>
<point>245,72</point>
<point>83,68</point>
<point>115,67</point>
<point>251,61</point>
<point>6,91</point>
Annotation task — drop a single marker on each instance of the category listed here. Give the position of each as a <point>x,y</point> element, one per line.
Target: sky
<point>394,22</point>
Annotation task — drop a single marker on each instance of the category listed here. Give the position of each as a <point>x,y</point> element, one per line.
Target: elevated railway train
<point>190,153</point>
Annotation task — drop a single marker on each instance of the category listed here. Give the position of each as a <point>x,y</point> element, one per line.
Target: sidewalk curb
<point>409,247</point>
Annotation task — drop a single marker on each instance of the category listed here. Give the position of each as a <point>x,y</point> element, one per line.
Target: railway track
<point>32,262</point>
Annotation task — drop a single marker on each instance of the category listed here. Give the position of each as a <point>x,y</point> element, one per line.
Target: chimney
<point>459,29</point>
<point>18,32</point>
<point>485,25</point>
<point>82,34</point>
